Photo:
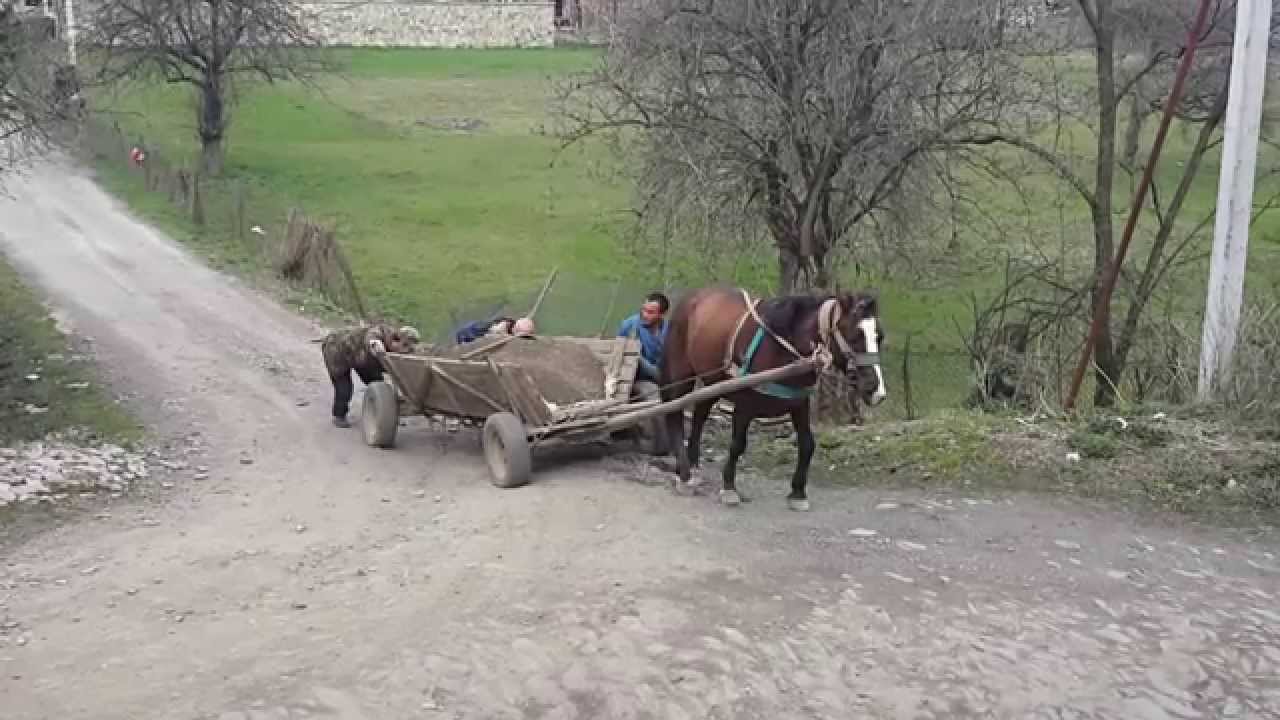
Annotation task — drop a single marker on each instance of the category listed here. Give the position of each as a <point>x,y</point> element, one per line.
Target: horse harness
<point>828,319</point>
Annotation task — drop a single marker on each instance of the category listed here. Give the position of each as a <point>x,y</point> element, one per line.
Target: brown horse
<point>715,332</point>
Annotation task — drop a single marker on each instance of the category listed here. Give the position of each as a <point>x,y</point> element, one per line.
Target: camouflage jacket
<point>350,347</point>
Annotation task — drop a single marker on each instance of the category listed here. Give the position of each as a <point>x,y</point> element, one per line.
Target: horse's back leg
<point>701,412</point>
<point>805,446</point>
<point>677,380</point>
<point>737,446</point>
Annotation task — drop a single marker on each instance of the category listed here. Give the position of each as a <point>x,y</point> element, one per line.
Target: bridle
<point>830,313</point>
<point>829,316</point>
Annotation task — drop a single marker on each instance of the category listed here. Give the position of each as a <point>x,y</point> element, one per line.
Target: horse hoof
<point>681,488</point>
<point>798,504</point>
<point>730,498</point>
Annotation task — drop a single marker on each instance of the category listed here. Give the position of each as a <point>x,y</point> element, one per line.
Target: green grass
<point>436,220</point>
<point>44,387</point>
<point>431,218</point>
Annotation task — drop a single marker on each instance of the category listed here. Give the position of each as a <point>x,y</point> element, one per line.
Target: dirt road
<point>312,576</point>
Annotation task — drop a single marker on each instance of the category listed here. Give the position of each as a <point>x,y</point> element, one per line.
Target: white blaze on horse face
<point>868,327</point>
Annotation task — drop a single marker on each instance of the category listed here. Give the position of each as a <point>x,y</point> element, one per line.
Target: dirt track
<point>312,576</point>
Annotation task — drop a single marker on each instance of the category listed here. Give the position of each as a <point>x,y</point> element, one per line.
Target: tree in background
<point>211,45</point>
<point>1113,91</point>
<point>36,92</point>
<point>805,117</point>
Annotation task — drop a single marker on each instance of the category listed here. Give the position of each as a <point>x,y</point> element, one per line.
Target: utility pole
<point>1235,193</point>
<point>71,31</point>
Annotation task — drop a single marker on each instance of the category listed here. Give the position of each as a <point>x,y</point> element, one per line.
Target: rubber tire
<point>506,450</point>
<point>380,415</point>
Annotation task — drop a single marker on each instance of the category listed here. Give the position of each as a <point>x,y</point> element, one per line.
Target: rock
<point>911,546</point>
<point>887,506</point>
<point>7,495</point>
<point>1067,545</point>
<point>863,533</point>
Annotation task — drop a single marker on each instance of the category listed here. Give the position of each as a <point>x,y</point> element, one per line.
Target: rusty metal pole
<point>1102,308</point>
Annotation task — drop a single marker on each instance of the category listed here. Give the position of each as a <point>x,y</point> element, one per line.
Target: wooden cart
<point>516,418</point>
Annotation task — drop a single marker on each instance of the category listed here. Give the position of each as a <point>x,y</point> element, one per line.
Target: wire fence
<point>235,227</point>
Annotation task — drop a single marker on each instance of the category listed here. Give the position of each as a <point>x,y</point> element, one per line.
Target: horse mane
<point>783,314</point>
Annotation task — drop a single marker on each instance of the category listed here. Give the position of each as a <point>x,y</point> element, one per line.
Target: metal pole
<point>1235,194</point>
<point>71,32</point>
<point>1101,309</point>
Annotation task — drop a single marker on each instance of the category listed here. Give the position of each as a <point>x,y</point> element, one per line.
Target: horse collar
<point>778,390</point>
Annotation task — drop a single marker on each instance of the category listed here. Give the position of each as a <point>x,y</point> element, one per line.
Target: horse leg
<point>675,441</point>
<point>700,413</point>
<point>805,445</point>
<point>741,424</point>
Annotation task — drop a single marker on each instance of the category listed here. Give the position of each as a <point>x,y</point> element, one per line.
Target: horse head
<point>850,326</point>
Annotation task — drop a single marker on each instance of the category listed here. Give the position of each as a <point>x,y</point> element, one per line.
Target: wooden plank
<point>532,411</point>
<point>486,345</point>
<point>712,391</point>
<point>472,391</point>
<point>523,384</point>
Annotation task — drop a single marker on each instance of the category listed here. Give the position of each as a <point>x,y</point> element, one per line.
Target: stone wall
<point>405,23</point>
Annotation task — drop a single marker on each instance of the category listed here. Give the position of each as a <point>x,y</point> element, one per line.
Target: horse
<point>718,331</point>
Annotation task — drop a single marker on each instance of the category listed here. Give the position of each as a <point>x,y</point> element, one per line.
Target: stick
<point>604,324</point>
<point>714,390</point>
<point>543,295</point>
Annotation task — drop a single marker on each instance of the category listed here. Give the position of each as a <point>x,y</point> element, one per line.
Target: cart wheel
<point>506,449</point>
<point>380,415</point>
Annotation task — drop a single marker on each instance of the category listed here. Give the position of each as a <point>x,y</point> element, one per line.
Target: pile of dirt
<point>565,372</point>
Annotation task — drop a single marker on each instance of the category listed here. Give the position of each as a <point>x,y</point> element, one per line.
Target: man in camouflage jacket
<point>353,349</point>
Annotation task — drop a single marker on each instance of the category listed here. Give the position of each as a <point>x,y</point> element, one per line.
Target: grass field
<point>44,387</point>
<point>436,218</point>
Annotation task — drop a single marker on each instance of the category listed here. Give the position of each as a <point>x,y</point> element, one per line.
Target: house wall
<point>422,24</point>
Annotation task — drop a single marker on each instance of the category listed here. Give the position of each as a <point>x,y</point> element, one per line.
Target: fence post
<point>908,398</point>
<point>240,210</point>
<point>197,203</point>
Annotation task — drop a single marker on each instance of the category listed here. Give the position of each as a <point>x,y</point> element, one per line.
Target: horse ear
<point>868,304</point>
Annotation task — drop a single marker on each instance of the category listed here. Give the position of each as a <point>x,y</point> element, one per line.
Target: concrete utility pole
<point>1235,193</point>
<point>71,31</point>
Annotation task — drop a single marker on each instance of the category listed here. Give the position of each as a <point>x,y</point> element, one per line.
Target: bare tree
<point>810,117</point>
<point>1134,46</point>
<point>37,94</point>
<point>211,45</point>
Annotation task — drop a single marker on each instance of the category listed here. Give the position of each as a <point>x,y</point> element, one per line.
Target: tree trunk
<point>1133,129</point>
<point>790,272</point>
<point>212,117</point>
<point>1108,369</point>
<point>211,157</point>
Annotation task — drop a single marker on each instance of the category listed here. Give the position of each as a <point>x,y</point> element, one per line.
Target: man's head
<point>402,340</point>
<point>502,326</point>
<point>654,309</point>
<point>523,326</point>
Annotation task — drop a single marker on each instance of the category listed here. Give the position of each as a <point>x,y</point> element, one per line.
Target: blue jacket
<point>471,332</point>
<point>651,345</point>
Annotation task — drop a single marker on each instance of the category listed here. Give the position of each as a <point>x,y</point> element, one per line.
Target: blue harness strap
<point>778,390</point>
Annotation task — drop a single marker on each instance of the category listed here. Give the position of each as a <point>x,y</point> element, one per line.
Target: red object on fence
<point>137,156</point>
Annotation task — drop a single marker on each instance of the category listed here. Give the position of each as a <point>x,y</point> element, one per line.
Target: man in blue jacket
<point>650,327</point>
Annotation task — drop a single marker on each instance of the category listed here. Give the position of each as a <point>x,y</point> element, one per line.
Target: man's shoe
<point>341,422</point>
